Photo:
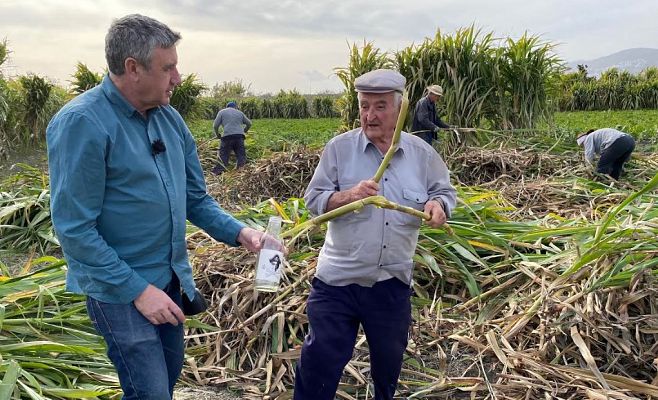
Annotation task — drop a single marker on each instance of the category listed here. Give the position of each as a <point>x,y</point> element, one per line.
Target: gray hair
<point>136,36</point>
<point>397,98</point>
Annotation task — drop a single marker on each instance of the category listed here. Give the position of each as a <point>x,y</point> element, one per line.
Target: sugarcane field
<point>543,283</point>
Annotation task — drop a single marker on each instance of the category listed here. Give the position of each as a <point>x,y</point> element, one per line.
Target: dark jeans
<point>148,358</point>
<point>334,314</point>
<point>231,143</point>
<point>613,158</point>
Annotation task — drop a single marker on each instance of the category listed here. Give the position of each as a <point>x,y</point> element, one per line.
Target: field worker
<point>613,146</point>
<point>365,266</point>
<point>124,176</point>
<point>426,123</point>
<point>235,124</point>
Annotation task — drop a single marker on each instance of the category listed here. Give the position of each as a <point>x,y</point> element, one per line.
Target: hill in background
<point>631,60</point>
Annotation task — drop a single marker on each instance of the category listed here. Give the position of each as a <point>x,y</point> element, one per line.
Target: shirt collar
<point>115,97</point>
<point>363,142</point>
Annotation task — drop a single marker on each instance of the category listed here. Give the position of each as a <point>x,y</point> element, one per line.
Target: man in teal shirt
<point>125,176</point>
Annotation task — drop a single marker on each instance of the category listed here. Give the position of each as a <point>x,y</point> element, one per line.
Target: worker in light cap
<point>426,122</point>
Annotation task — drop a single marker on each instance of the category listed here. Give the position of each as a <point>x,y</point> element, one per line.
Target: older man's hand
<point>364,189</point>
<point>435,210</point>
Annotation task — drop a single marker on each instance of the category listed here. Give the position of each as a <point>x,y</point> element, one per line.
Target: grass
<point>310,132</point>
<point>643,124</point>
<point>268,135</point>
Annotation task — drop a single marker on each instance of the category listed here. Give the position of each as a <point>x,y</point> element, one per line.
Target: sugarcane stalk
<point>396,139</point>
<point>378,201</point>
<point>355,206</point>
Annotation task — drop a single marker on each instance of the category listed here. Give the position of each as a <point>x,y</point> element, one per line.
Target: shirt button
<point>384,246</point>
<point>386,179</point>
<point>387,224</point>
<point>381,265</point>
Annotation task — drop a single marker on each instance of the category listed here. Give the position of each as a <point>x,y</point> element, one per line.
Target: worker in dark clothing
<point>426,122</point>
<point>235,125</point>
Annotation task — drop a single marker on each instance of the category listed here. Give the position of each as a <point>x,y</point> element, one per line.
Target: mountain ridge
<point>633,60</point>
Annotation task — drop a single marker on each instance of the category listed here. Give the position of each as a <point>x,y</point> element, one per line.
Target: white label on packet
<point>270,263</point>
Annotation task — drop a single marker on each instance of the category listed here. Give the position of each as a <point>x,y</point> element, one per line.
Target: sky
<point>293,44</point>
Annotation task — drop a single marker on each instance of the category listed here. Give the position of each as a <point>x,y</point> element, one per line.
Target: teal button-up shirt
<point>119,208</point>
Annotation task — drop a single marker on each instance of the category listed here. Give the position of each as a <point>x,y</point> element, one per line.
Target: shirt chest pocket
<point>412,199</point>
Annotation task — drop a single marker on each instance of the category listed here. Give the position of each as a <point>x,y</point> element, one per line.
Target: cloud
<point>291,18</point>
<point>314,75</point>
<point>289,43</point>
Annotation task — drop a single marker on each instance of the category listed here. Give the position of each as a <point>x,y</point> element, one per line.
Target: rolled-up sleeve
<point>323,183</point>
<point>438,183</point>
<point>76,160</point>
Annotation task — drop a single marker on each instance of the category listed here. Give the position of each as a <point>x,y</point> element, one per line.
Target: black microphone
<point>157,147</point>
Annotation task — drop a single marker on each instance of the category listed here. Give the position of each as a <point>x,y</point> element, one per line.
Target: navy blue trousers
<point>228,144</point>
<point>613,158</point>
<point>334,314</point>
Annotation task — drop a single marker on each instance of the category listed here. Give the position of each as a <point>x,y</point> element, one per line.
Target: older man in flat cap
<point>426,122</point>
<point>364,270</point>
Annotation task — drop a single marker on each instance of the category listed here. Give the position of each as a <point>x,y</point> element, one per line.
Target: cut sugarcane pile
<point>547,308</point>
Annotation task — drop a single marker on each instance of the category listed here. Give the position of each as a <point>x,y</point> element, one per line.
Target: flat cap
<point>380,81</point>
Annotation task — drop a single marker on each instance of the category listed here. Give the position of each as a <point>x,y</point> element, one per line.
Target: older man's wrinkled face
<point>379,114</point>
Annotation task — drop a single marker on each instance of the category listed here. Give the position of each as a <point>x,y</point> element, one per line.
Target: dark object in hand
<point>194,306</point>
<point>157,147</point>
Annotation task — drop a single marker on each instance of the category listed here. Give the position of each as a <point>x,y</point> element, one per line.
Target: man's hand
<point>362,190</point>
<point>435,210</point>
<point>252,240</point>
<point>158,308</point>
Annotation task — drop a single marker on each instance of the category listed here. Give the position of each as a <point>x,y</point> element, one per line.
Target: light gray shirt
<point>375,243</point>
<point>600,140</point>
<point>232,120</point>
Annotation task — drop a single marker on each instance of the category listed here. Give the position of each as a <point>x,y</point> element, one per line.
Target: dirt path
<point>186,393</point>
